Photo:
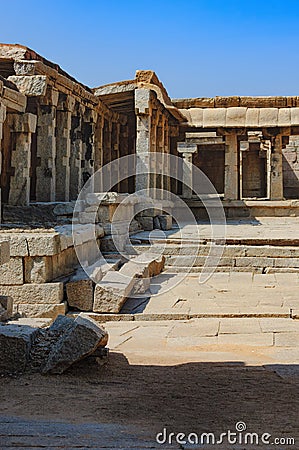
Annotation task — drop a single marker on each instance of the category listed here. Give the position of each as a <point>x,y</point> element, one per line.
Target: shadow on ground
<point>119,405</point>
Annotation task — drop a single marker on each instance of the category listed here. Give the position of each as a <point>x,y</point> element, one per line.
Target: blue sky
<point>197,48</point>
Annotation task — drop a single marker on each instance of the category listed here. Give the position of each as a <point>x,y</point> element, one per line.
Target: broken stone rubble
<point>49,350</point>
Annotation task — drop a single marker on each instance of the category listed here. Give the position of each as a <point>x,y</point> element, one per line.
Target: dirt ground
<point>189,397</point>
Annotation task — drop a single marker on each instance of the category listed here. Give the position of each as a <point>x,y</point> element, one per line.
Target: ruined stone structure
<point>55,133</point>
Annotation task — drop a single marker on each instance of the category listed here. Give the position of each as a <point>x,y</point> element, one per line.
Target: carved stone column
<point>143,138</point>
<point>231,176</point>
<point>2,119</point>
<point>187,150</point>
<point>276,177</point>
<point>76,153</point>
<point>22,126</point>
<point>46,147</point>
<point>63,146</point>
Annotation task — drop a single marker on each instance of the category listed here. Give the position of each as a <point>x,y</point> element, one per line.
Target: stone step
<point>198,269</point>
<point>228,250</point>
<point>118,317</point>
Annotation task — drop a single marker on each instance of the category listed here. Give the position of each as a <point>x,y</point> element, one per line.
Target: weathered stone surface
<point>38,269</point>
<point>80,294</point>
<point>43,244</point>
<point>12,272</point>
<point>4,252</point>
<point>34,293</point>
<point>34,85</point>
<point>78,339</point>
<point>43,310</point>
<point>15,344</point>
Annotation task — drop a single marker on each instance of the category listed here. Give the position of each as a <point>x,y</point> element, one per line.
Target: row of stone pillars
<point>232,168</point>
<point>51,152</point>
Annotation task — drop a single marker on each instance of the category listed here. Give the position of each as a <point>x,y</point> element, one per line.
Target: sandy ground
<point>140,399</point>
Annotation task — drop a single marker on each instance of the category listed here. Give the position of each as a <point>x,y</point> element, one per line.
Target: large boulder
<point>76,339</point>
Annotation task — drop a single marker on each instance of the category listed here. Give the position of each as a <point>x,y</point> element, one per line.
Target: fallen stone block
<point>15,344</point>
<point>80,294</point>
<point>111,293</point>
<point>77,339</point>
<point>35,294</point>
<point>43,310</point>
<point>138,271</point>
<point>154,262</point>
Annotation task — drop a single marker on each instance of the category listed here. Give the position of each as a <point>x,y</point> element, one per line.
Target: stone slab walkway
<point>230,294</point>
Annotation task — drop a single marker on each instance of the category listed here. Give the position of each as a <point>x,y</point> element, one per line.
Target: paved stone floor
<point>194,359</point>
<point>224,294</point>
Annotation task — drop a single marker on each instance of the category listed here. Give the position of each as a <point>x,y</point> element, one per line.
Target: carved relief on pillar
<point>143,137</point>
<point>88,144</point>
<point>76,155</point>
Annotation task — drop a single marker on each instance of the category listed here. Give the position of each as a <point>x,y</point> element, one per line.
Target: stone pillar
<point>143,138</point>
<point>124,151</point>
<point>76,153</point>
<point>276,178</point>
<point>231,176</point>
<point>22,126</point>
<point>98,151</point>
<point>187,150</point>
<point>166,168</point>
<point>46,147</point>
<point>88,144</point>
<point>2,119</point>
<point>63,146</point>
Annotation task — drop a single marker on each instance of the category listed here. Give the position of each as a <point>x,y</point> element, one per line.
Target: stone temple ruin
<point>55,133</point>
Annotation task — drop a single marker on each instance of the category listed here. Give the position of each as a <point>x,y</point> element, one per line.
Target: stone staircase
<point>241,255</point>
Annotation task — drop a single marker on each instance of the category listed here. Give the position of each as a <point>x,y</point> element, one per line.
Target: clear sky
<point>197,48</point>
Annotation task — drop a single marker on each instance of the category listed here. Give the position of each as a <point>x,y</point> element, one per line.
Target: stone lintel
<point>33,86</point>
<point>14,100</point>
